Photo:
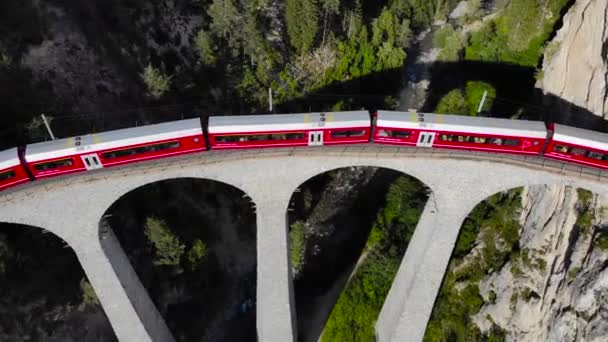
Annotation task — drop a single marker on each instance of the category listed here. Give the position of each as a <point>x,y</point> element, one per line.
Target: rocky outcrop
<point>575,62</point>
<point>556,287</point>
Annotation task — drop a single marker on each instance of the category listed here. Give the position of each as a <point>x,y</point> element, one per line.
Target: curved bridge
<point>72,208</point>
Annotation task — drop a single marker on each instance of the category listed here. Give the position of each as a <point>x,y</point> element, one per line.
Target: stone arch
<point>238,256</point>
<point>547,238</point>
<point>370,185</point>
<point>42,276</point>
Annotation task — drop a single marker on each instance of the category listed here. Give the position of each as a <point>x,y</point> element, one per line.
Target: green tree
<point>158,84</point>
<point>196,254</point>
<point>474,91</point>
<point>225,21</point>
<point>330,7</point>
<point>204,46</point>
<point>450,42</point>
<point>452,103</point>
<point>89,298</point>
<point>302,18</point>
<point>403,34</point>
<point>169,249</point>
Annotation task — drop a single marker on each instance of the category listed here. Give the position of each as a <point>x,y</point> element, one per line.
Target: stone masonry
<point>72,207</point>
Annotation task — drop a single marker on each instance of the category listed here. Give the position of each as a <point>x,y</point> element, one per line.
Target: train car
<point>280,130</point>
<point>123,146</point>
<point>459,132</point>
<point>579,146</point>
<point>12,171</point>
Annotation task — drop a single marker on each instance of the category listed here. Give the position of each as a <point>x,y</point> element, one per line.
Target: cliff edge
<point>575,61</point>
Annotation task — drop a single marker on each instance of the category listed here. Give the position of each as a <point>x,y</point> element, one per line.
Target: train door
<point>91,161</point>
<point>425,139</point>
<point>315,138</point>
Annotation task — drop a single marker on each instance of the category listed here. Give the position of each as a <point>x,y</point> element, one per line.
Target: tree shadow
<point>514,84</point>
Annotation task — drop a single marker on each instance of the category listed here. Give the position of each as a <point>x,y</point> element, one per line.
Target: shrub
<point>297,246</point>
<point>602,241</point>
<point>474,93</point>
<point>450,42</point>
<point>169,249</point>
<point>157,83</point>
<point>452,103</point>
<point>573,272</point>
<point>89,298</point>
<point>204,47</point>
<point>196,254</point>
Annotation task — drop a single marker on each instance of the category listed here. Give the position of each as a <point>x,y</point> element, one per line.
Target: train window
<point>348,133</point>
<point>511,142</point>
<point>259,137</point>
<point>401,134</point>
<point>7,175</point>
<point>55,164</point>
<point>577,151</point>
<point>394,133</point>
<point>597,155</point>
<point>560,149</point>
<point>141,149</point>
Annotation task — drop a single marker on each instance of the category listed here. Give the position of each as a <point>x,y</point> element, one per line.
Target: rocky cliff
<point>555,288</point>
<point>575,61</point>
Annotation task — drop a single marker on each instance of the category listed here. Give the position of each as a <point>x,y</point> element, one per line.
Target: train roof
<point>9,158</point>
<point>579,136</point>
<point>287,122</point>
<point>462,123</point>
<point>113,139</point>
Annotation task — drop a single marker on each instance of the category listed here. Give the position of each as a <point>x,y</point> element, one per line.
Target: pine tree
<point>302,23</point>
<point>169,249</point>
<point>225,22</point>
<point>330,7</point>
<point>205,49</point>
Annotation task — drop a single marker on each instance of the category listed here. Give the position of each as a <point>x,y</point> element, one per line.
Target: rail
<point>358,151</point>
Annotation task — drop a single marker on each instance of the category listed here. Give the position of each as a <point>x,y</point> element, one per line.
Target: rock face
<point>556,289</point>
<point>575,64</point>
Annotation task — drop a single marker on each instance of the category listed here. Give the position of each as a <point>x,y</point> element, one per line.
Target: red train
<point>96,151</point>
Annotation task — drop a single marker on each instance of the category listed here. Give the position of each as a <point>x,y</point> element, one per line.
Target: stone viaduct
<point>72,207</point>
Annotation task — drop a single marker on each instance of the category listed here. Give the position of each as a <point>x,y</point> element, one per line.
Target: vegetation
<point>450,42</point>
<point>585,217</point>
<point>169,249</point>
<point>474,93</point>
<point>158,84</point>
<point>573,272</point>
<point>493,225</point>
<point>89,298</point>
<point>302,18</point>
<point>205,49</point>
<point>516,36</point>
<point>453,102</point>
<point>196,254</point>
<point>356,311</point>
<point>297,246</point>
<point>467,102</point>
